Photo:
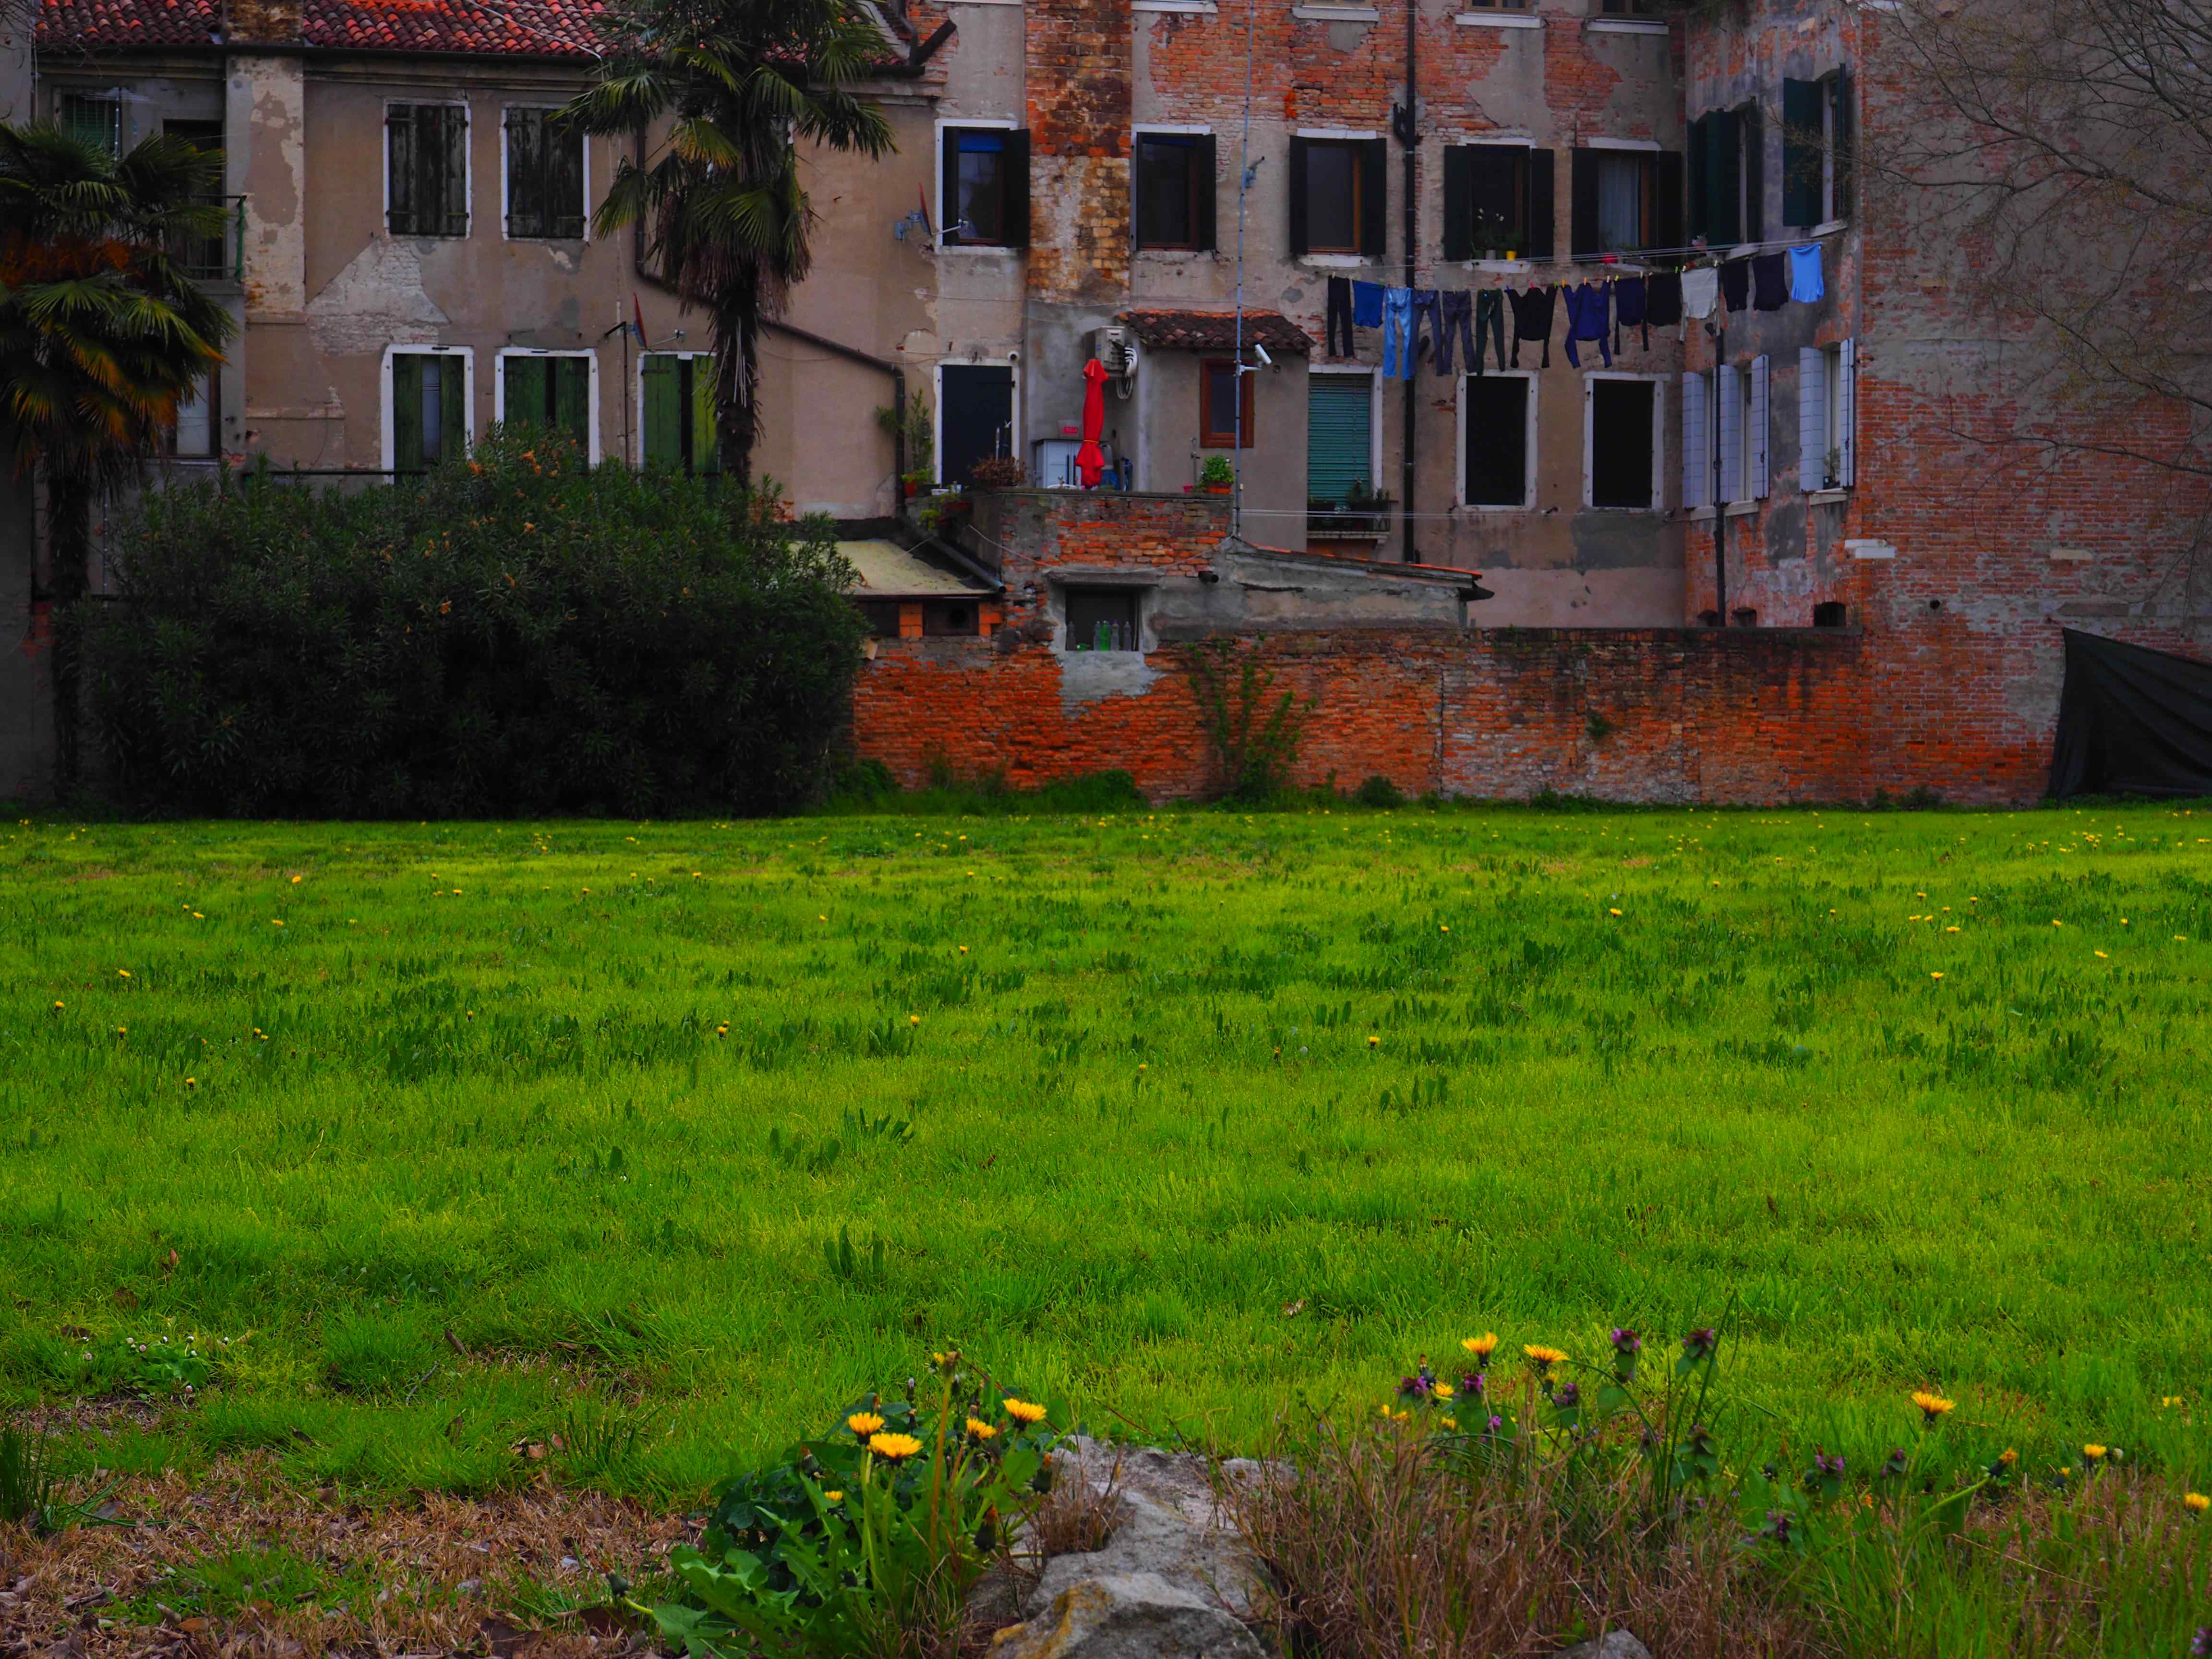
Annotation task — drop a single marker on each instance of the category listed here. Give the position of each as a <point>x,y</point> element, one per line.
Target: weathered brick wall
<point>1080,78</point>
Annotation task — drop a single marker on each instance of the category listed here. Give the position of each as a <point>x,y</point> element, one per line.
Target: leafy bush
<point>1379,791</point>
<point>864,1542</point>
<point>517,633</point>
<point>1254,738</point>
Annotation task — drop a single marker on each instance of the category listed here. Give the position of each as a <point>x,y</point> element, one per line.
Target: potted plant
<point>912,418</point>
<point>998,472</point>
<point>1216,475</point>
<point>913,483</point>
<point>1834,462</point>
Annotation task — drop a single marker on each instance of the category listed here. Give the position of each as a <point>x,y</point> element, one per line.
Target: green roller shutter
<point>1337,435</point>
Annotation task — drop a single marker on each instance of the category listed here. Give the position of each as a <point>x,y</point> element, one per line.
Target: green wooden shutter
<point>664,411</point>
<point>1014,179</point>
<point>1804,147</point>
<point>1205,187</point>
<point>1582,231</point>
<point>1668,233</point>
<point>1458,201</point>
<point>564,180</point>
<point>1541,186</point>
<point>95,122</point>
<point>1337,435</point>
<point>399,169</point>
<point>1374,197</point>
<point>572,399</point>
<point>1723,177</point>
<point>454,186</point>
<point>1297,196</point>
<point>525,173</point>
<point>454,406</point>
<point>1845,94</point>
<point>706,457</point>
<point>1694,167</point>
<point>522,402</point>
<point>407,411</point>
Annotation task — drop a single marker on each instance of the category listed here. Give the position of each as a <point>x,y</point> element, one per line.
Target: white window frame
<point>637,395</point>
<point>964,124</point>
<point>591,394</point>
<point>507,180</point>
<point>1656,382</point>
<point>1374,411</point>
<point>388,438</point>
<point>468,165</point>
<point>937,397</point>
<point>1528,503</point>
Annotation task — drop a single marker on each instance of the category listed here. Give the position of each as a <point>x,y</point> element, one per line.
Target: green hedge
<point>516,633</point>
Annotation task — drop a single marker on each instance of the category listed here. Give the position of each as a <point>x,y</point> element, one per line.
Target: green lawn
<point>432,1136</point>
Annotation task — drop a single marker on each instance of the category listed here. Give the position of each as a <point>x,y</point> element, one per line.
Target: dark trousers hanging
<point>1340,313</point>
<point>1458,309</point>
<point>1489,326</point>
<point>1427,309</point>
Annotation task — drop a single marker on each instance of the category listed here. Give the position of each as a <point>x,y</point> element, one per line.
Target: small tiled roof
<point>1215,331</point>
<point>66,23</point>
<point>505,27</point>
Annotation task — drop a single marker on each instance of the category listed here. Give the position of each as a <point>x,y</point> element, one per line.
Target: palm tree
<point>740,82</point>
<point>100,333</point>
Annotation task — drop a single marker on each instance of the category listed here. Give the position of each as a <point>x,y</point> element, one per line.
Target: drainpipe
<point>1720,507</point>
<point>1408,138</point>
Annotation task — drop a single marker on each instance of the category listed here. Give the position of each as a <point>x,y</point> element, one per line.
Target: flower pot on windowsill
<point>1215,489</point>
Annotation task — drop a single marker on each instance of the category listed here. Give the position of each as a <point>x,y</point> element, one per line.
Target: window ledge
<point>1625,26</point>
<point>1741,509</point>
<point>1330,13</point>
<point>1826,497</point>
<point>1828,227</point>
<point>980,248</point>
<point>1182,8</point>
<point>1868,548</point>
<point>1335,261</point>
<point>1502,267</point>
<point>1323,533</point>
<point>1501,506</point>
<point>1498,19</point>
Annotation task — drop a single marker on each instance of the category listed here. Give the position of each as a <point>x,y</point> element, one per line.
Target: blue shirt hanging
<point>1806,287</point>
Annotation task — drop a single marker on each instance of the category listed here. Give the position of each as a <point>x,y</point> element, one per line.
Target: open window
<point>1102,619</point>
<point>427,397</point>
<point>1727,177</point>
<point>1497,422</point>
<point>1621,443</point>
<point>1497,202</point>
<point>196,434</point>
<point>1339,196</point>
<point>545,186</point>
<point>1625,200</point>
<point>1222,393</point>
<point>552,389</point>
<point>426,176</point>
<point>1172,174</point>
<point>677,416</point>
<point>1818,120</point>
<point>203,258</point>
<point>1826,395</point>
<point>986,192</point>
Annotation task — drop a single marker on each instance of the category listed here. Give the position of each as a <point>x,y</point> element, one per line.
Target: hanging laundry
<point>1770,281</point>
<point>1736,285</point>
<point>1701,292</point>
<point>1630,300</point>
<point>1531,321</point>
<point>1489,324</point>
<point>1427,314</point>
<point>1663,304</point>
<point>1458,314</point>
<point>1590,318</point>
<point>1397,334</point>
<point>1340,316</point>
<point>1367,305</point>
<point>1806,287</point>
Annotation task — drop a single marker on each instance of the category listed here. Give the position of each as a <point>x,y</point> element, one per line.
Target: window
<point>194,433</point>
<point>1340,438</point>
<point>1497,202</point>
<point>545,176</point>
<point>426,169</point>
<point>205,258</point>
<point>1625,200</point>
<point>1621,441</point>
<point>1817,150</point>
<point>1830,613</point>
<point>1497,420</point>
<point>1628,9</point>
<point>1743,397</point>
<point>1827,393</point>
<point>1218,403</point>
<point>677,415</point>
<point>1339,196</point>
<point>986,200</point>
<point>953,619</point>
<point>428,406</point>
<point>1102,619</point>
<point>1173,176</point>
<point>883,618</point>
<point>550,390</point>
<point>1728,182</point>
<point>94,119</point>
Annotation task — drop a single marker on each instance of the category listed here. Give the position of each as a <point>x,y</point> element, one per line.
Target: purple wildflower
<point>1700,1344</point>
<point>1626,1342</point>
<point>1569,1396</point>
<point>1826,1464</point>
<point>1474,1384</point>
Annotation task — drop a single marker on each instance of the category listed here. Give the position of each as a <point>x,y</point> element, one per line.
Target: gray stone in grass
<point>1128,1615</point>
<point>1613,1644</point>
<point>1171,1526</point>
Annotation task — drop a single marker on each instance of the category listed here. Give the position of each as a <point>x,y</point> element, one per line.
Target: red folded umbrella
<point>1091,461</point>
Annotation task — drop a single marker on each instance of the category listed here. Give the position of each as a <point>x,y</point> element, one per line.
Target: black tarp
<point>2131,721</point>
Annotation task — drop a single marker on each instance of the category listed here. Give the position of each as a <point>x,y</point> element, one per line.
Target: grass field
<point>441,1139</point>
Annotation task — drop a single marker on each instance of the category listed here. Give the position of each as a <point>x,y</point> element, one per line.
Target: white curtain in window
<point>1620,202</point>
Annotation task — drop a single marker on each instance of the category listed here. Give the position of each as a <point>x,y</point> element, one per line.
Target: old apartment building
<point>1744,550</point>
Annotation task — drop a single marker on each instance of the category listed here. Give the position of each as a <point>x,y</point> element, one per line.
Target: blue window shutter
<point>1338,436</point>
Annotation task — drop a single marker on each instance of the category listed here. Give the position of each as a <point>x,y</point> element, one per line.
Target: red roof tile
<point>1215,331</point>
<point>531,27</point>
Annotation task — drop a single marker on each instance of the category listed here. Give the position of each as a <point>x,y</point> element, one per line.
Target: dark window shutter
<point>1802,148</point>
<point>407,411</point>
<point>663,381</point>
<point>1374,197</point>
<point>948,202</point>
<point>522,391</point>
<point>1205,186</point>
<point>1845,92</point>
<point>1542,189</point>
<point>452,406</point>
<point>572,399</point>
<point>1140,189</point>
<point>1754,140</point>
<point>1582,228</point>
<point>1459,202</point>
<point>1694,164</point>
<point>1723,177</point>
<point>524,175</point>
<point>1016,185</point>
<point>1299,240</point>
<point>1667,230</point>
<point>399,169</point>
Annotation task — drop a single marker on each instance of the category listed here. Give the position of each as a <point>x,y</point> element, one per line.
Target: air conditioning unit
<point>1115,347</point>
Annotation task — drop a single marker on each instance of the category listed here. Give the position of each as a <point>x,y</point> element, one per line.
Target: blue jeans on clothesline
<point>1397,334</point>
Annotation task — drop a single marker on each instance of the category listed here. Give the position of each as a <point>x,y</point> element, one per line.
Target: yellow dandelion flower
<point>1024,1411</point>
<point>123,973</point>
<point>58,1005</point>
<point>1935,976</point>
<point>1933,1407</point>
<point>893,1446</point>
<point>864,1424</point>
<point>833,1497</point>
<point>2169,1402</point>
<point>2102,955</point>
<point>1543,1357</point>
<point>1372,1041</point>
<point>1449,1423</point>
<point>2197,1501</point>
<point>2095,1454</point>
<point>1613,913</point>
<point>1441,1391</point>
<point>1480,1346</point>
<point>2007,1457</point>
<point>981,1430</point>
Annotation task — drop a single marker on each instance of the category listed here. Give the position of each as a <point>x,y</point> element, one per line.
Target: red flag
<point>637,311</point>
